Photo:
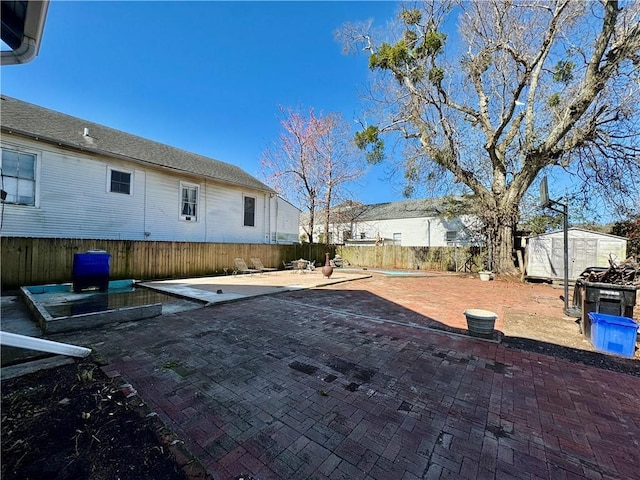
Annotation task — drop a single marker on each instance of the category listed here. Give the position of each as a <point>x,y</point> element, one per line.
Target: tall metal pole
<point>565,228</point>
<point>565,213</point>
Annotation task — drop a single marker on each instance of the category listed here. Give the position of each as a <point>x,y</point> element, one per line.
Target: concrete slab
<point>229,288</point>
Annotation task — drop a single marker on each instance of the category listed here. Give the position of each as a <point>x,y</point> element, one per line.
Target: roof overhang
<point>22,27</point>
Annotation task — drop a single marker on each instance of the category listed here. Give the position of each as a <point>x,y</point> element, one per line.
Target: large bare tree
<point>312,163</point>
<point>520,88</point>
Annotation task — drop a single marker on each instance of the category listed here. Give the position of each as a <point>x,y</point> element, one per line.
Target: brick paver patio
<point>305,385</point>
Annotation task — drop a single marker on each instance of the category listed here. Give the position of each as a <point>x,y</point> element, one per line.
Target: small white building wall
<point>414,232</point>
<point>285,222</point>
<point>417,232</point>
<point>545,253</point>
<point>72,200</point>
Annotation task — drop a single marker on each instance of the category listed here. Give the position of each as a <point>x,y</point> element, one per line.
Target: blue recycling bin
<point>606,298</point>
<point>613,334</point>
<point>91,270</point>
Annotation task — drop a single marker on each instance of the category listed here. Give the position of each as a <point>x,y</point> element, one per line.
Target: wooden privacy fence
<point>38,261</point>
<point>412,258</point>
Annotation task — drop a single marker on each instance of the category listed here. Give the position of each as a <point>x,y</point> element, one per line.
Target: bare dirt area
<point>73,422</point>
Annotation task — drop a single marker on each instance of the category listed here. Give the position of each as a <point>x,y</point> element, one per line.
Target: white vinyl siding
<point>285,220</point>
<point>413,232</point>
<point>73,200</point>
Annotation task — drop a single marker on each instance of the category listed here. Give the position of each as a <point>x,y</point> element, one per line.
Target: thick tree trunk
<point>503,251</point>
<point>500,233</point>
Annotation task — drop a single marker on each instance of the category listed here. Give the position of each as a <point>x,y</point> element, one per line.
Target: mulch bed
<point>72,422</point>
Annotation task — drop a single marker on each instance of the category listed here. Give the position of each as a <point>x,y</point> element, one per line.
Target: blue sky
<point>206,77</point>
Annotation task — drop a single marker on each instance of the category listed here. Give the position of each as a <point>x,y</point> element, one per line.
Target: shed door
<point>557,257</point>
<point>582,254</point>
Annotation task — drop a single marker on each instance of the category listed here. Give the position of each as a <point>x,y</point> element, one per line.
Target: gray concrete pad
<point>228,288</point>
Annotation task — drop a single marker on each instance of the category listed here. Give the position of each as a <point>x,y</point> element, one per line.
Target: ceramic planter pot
<point>480,322</point>
<point>485,276</point>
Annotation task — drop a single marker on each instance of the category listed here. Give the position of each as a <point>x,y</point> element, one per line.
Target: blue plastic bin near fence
<point>613,334</point>
<point>91,269</point>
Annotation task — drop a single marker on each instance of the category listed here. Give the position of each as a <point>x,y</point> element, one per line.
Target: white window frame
<point>397,238</point>
<point>255,210</point>
<point>121,170</point>
<point>38,157</point>
<point>189,218</point>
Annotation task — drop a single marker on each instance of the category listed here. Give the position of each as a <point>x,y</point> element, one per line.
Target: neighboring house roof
<point>50,126</point>
<point>423,207</point>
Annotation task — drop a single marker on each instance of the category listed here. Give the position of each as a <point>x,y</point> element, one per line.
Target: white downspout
<point>276,224</point>
<point>42,345</point>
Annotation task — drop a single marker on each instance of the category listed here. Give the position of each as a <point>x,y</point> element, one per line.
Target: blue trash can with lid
<point>613,334</point>
<point>91,270</point>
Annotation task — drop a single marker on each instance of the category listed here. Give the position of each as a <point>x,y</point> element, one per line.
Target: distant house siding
<point>413,232</point>
<point>73,200</point>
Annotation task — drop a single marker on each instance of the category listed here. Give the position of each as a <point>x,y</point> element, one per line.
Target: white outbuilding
<point>545,252</point>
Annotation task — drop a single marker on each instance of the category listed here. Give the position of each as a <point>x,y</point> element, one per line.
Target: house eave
<point>23,35</point>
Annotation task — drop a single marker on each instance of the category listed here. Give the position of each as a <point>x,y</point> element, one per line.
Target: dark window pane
<point>120,182</point>
<point>249,211</point>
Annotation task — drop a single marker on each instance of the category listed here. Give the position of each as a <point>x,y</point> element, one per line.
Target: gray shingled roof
<point>47,125</point>
<point>423,207</point>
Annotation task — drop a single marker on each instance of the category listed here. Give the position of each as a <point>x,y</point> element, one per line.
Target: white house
<point>409,223</point>
<point>64,177</point>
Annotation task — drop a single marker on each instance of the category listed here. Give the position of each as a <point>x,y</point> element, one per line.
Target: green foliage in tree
<point>629,228</point>
<point>563,72</point>
<point>436,75</point>
<point>389,57</point>
<point>433,44</point>
<point>370,141</point>
<point>554,100</point>
<point>411,17</point>
<point>410,37</point>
